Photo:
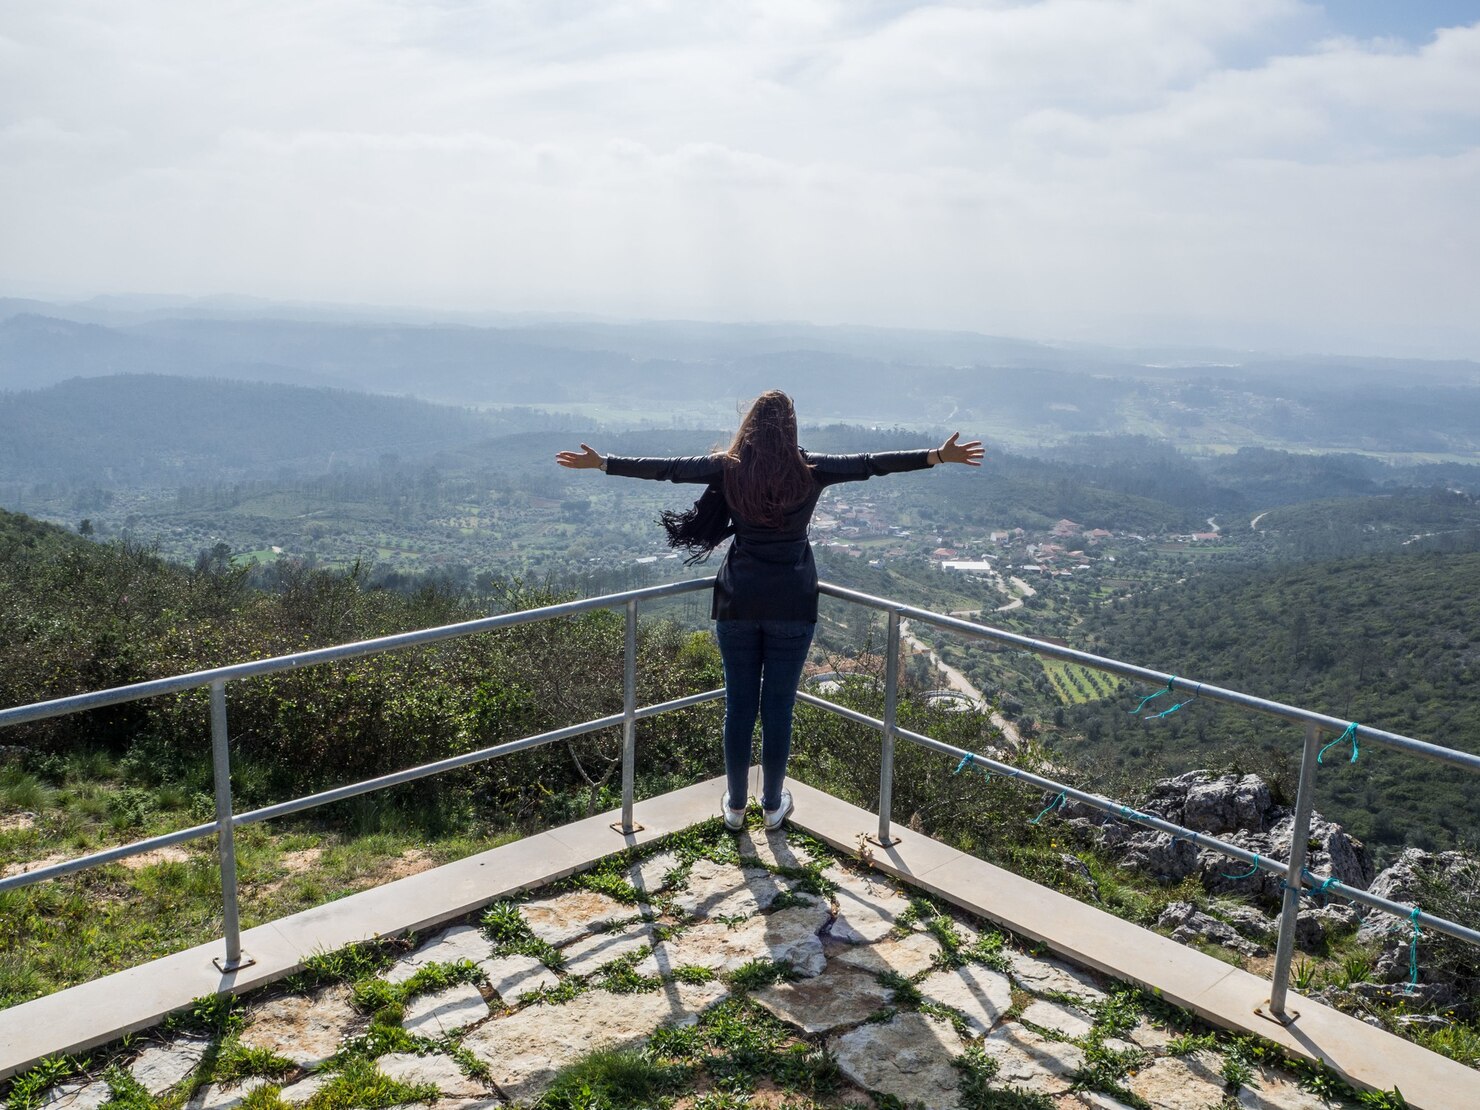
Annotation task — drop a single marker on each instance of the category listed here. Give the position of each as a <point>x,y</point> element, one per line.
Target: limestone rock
<point>908,1057</point>
<point>839,996</point>
<point>1403,882</point>
<point>1189,925</point>
<point>431,1015</point>
<point>1051,975</point>
<point>724,890</point>
<point>907,956</point>
<point>440,1071</point>
<point>525,1049</point>
<point>1220,804</point>
<point>1248,921</point>
<point>867,906</point>
<point>461,942</point>
<point>980,994</point>
<point>1097,1100</point>
<point>220,1096</point>
<point>789,934</point>
<point>1158,855</point>
<point>647,875</point>
<point>560,919</point>
<point>585,956</point>
<point>306,1029</point>
<point>1027,1060</point>
<point>1180,1082</point>
<point>160,1067</point>
<point>512,977</point>
<point>770,848</point>
<point>1059,1018</point>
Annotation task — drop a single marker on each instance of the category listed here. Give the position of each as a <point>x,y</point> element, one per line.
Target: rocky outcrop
<point>1240,810</point>
<point>1189,925</point>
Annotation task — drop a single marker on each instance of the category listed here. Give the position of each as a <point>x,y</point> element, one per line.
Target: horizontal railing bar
<point>108,855</point>
<point>1363,733</point>
<point>1133,816</point>
<point>99,698</point>
<point>349,790</point>
<point>680,703</point>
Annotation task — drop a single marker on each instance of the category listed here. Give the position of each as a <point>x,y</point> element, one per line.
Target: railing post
<point>886,754</point>
<point>629,720</point>
<point>1290,908</point>
<point>221,762</point>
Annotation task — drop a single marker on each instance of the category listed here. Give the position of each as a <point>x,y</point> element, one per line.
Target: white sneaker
<point>774,817</point>
<point>734,818</point>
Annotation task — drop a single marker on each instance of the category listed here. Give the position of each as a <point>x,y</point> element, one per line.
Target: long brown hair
<point>766,476</point>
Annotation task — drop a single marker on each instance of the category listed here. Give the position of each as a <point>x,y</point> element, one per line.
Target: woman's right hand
<point>584,459</point>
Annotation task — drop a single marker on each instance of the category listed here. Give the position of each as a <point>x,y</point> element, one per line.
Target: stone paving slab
<point>1052,975</point>
<point>724,890</point>
<point>868,906</point>
<point>439,1070</point>
<point>77,1096</point>
<point>525,1049</point>
<point>222,1096</point>
<point>563,918</point>
<point>1032,1062</point>
<point>298,1093</point>
<point>908,1057</point>
<point>512,977</point>
<point>432,1015</point>
<point>978,993</point>
<point>585,956</point>
<point>1059,1018</point>
<point>907,956</point>
<point>461,942</point>
<point>648,876</point>
<point>787,934</point>
<point>840,996</point>
<point>771,848</point>
<point>1179,1082</point>
<point>306,1029</point>
<point>160,1067</point>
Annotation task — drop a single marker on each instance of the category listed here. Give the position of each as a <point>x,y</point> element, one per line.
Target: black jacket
<point>769,573</point>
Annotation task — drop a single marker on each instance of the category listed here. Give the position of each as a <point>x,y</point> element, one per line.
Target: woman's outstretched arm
<point>696,468</point>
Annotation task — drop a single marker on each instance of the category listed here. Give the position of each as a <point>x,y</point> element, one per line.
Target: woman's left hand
<point>586,458</point>
<point>969,453</point>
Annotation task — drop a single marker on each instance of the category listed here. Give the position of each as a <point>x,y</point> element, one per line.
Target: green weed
<point>612,1080</point>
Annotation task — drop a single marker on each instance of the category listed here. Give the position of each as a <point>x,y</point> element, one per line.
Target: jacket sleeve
<point>829,469</point>
<point>694,468</point>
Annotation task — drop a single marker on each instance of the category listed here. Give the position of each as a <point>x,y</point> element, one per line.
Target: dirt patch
<point>34,864</point>
<point>171,854</point>
<point>17,822</point>
<point>412,861</point>
<point>294,863</point>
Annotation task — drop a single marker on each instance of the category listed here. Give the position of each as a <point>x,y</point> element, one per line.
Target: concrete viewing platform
<point>909,1001</point>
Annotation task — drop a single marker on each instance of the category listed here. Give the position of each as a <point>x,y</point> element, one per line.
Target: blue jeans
<point>763,664</point>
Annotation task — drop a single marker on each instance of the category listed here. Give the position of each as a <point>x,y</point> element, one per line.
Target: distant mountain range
<point>1021,392</point>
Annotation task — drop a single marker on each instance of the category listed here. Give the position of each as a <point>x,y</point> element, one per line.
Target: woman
<point>765,594</point>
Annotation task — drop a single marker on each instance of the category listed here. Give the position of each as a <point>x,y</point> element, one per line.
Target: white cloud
<point>1063,166</point>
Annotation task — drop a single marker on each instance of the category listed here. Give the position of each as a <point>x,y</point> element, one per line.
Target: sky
<point>1268,174</point>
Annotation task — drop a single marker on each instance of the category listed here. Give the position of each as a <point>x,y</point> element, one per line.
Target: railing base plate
<point>625,830</point>
<point>887,842</point>
<point>1289,1017</point>
<point>226,967</point>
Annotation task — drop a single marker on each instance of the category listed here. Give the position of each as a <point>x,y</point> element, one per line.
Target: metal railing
<point>1292,873</point>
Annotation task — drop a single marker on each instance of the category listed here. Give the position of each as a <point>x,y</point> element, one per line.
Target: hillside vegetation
<point>1391,641</point>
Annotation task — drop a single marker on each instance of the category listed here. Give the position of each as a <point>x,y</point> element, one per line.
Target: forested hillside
<point>1390,641</point>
